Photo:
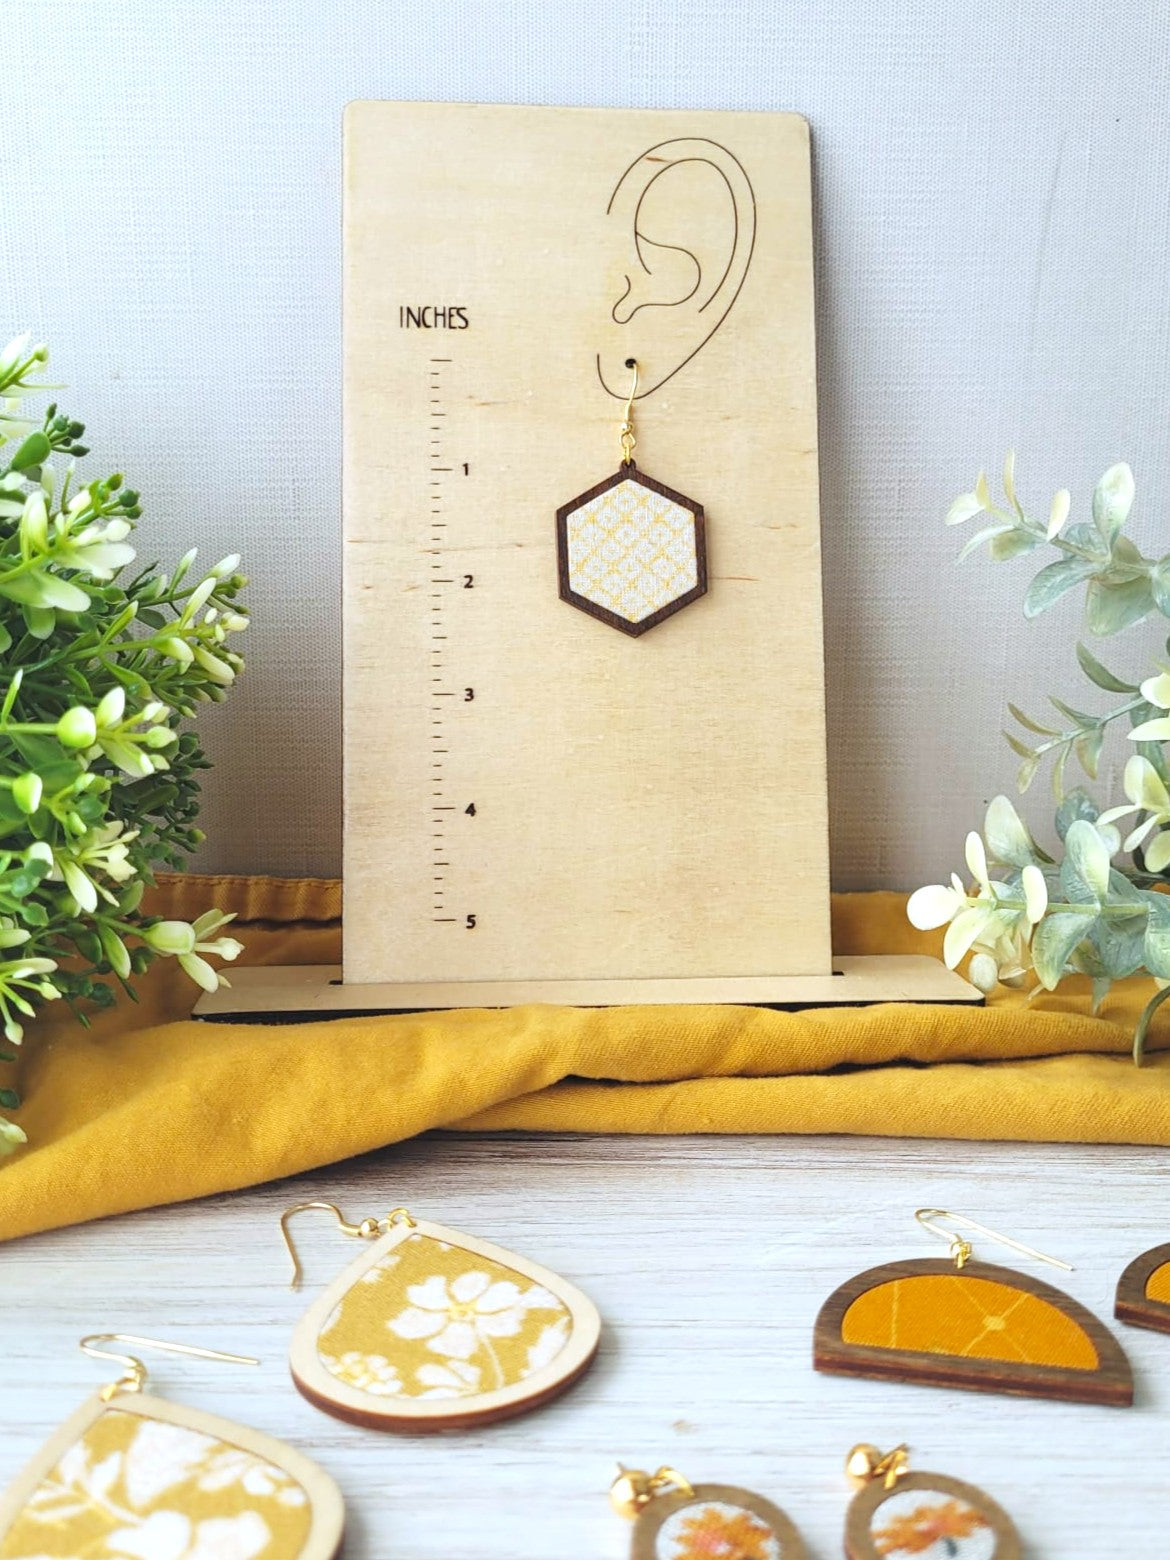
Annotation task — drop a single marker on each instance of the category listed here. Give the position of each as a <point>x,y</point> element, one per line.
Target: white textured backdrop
<point>993,224</point>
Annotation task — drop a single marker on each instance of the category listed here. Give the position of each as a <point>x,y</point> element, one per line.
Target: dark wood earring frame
<point>628,471</point>
<point>1111,1383</point>
<point>1133,1305</point>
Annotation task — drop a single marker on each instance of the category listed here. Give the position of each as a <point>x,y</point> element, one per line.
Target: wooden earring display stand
<point>538,808</point>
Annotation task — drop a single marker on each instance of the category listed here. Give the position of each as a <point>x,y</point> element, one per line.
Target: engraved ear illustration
<point>683,221</point>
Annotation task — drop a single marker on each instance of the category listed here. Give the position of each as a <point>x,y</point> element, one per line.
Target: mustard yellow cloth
<point>150,1106</point>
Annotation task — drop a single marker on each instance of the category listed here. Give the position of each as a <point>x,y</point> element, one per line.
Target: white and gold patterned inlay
<point>632,551</point>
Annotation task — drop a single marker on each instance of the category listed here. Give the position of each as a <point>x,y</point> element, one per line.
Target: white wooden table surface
<point>708,1258</point>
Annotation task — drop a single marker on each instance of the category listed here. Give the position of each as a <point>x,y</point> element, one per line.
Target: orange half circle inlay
<point>1158,1287</point>
<point>960,1315</point>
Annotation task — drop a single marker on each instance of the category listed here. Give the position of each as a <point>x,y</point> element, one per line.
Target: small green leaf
<point>1084,874</point>
<point>35,450</point>
<point>1054,582</point>
<point>1112,501</point>
<point>9,1099</point>
<point>1053,941</point>
<point>1098,674</point>
<point>1031,725</point>
<point>1007,838</point>
<point>1077,804</point>
<point>1013,545</point>
<point>1110,608</point>
<point>1088,750</point>
<point>1156,953</point>
<point>1017,746</point>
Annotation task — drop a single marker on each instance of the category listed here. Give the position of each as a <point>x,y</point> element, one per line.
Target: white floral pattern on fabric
<point>133,1488</point>
<point>449,1324</point>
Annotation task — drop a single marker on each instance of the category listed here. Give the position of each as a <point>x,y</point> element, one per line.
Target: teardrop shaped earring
<point>954,1322</point>
<point>898,1512</point>
<point>429,1329</point>
<point>166,1479</point>
<point>674,1518</point>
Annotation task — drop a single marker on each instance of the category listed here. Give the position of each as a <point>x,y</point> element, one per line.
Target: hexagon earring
<point>631,551</point>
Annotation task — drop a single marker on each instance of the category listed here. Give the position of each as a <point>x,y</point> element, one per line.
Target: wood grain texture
<point>645,808</point>
<point>859,1519</point>
<point>708,1258</point>
<point>1132,1303</point>
<point>1110,1383</point>
<point>423,1415</point>
<point>644,1543</point>
<point>316,991</point>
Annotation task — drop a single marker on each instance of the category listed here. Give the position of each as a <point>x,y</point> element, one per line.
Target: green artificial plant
<point>99,667</point>
<point>1028,913</point>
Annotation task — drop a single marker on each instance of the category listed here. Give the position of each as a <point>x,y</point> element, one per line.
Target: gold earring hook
<point>367,1229</point>
<point>634,1488</point>
<point>866,1463</point>
<point>628,439</point>
<point>136,1373</point>
<point>961,1249</point>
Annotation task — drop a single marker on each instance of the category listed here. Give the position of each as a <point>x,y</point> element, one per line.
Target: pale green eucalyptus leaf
<point>1096,673</point>
<point>987,534</point>
<point>1156,951</point>
<point>1054,940</point>
<point>1058,512</point>
<point>1112,501</point>
<point>1102,986</point>
<point>1079,718</point>
<point>964,507</point>
<point>1027,773</point>
<point>1077,804</point>
<point>1160,585</point>
<point>1058,770</point>
<point>1021,749</point>
<point>1031,725</point>
<point>964,931</point>
<point>1013,544</point>
<point>1110,608</point>
<point>1084,874</point>
<point>1007,838</point>
<point>1088,750</point>
<point>1054,582</point>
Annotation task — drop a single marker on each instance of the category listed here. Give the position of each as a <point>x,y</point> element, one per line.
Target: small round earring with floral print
<point>429,1329</point>
<point>902,1513</point>
<point>677,1520</point>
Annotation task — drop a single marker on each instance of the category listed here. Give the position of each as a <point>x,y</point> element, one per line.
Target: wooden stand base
<point>315,991</point>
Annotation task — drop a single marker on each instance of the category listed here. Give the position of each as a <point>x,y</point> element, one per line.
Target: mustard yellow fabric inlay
<point>964,1316</point>
<point>142,1489</point>
<point>1158,1287</point>
<point>145,1107</point>
<point>432,1320</point>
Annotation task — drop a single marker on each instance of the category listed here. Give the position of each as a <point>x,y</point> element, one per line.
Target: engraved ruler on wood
<point>530,796</point>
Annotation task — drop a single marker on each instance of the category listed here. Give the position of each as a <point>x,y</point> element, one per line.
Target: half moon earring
<point>955,1322</point>
<point>429,1329</point>
<point>631,552</point>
